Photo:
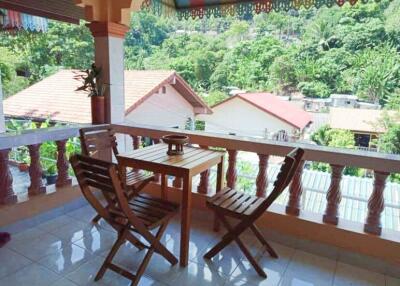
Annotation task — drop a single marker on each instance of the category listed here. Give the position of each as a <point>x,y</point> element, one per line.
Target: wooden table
<point>194,161</point>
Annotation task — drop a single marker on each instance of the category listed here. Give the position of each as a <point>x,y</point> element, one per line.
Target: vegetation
<point>318,52</point>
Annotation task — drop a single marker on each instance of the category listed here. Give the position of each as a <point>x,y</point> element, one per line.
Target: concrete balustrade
<point>382,164</point>
<point>33,140</point>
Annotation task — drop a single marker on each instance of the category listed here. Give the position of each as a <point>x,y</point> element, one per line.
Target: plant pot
<point>23,167</point>
<point>51,179</point>
<point>98,109</point>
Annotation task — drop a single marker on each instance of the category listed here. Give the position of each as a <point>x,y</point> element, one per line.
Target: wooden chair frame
<point>287,171</point>
<point>93,173</point>
<point>97,142</point>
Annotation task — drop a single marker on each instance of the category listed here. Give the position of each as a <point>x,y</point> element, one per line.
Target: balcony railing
<point>382,165</point>
<point>33,139</point>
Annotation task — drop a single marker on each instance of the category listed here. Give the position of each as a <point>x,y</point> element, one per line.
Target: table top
<point>154,158</point>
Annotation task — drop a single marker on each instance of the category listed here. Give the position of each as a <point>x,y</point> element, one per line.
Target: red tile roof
<point>277,107</point>
<point>55,97</point>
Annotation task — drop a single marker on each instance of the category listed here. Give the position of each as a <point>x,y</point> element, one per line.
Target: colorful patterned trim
<point>185,9</point>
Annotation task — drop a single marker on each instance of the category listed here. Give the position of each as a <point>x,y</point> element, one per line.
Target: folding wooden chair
<point>97,142</point>
<point>139,215</point>
<point>247,209</point>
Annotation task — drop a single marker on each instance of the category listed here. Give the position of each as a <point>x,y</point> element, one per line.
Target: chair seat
<point>234,203</point>
<point>134,177</point>
<point>151,211</point>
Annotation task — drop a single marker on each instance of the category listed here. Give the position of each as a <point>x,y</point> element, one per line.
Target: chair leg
<point>120,240</point>
<point>96,219</point>
<point>148,255</point>
<point>243,248</point>
<point>261,238</point>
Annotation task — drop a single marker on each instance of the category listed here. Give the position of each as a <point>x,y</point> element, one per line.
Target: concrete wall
<point>2,122</point>
<point>239,117</point>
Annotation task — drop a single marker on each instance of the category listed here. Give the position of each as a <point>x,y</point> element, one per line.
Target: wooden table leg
<point>186,219</point>
<point>220,183</point>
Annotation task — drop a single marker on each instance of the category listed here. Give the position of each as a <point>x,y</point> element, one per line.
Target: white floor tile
<point>347,275</point>
<point>11,262</point>
<point>85,274</point>
<point>74,231</point>
<point>97,241</point>
<point>197,275</point>
<point>56,223</point>
<point>84,214</point>
<point>66,260</point>
<point>63,282</point>
<point>37,248</point>
<point>32,275</point>
<point>309,269</point>
<point>274,268</point>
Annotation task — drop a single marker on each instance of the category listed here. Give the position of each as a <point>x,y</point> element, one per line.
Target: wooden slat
<point>239,202</point>
<point>246,204</point>
<point>225,197</point>
<point>231,200</point>
<point>218,195</point>
<point>254,206</point>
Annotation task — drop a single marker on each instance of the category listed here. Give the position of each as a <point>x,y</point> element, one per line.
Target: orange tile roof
<point>55,97</point>
<point>276,107</point>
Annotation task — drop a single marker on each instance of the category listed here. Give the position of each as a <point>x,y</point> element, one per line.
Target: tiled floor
<point>68,251</point>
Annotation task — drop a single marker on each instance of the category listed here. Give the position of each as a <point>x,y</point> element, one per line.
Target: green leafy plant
<point>91,82</point>
<point>51,170</point>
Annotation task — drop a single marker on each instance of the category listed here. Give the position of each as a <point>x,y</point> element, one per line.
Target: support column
<point>204,185</point>
<point>295,192</point>
<point>109,56</point>
<point>136,141</point>
<point>63,178</point>
<point>262,178</point>
<point>35,171</point>
<point>231,173</point>
<point>333,196</point>
<point>376,204</point>
<point>7,195</point>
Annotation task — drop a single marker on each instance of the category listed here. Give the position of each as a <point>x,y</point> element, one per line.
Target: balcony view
<point>174,143</point>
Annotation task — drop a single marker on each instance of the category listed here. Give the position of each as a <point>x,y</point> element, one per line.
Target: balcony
<point>321,238</point>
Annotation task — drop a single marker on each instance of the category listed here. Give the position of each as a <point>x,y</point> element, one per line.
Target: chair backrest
<point>288,169</point>
<point>94,174</point>
<point>98,141</point>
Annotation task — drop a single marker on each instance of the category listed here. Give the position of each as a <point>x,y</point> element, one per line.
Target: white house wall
<point>167,109</point>
<point>163,109</point>
<point>239,117</point>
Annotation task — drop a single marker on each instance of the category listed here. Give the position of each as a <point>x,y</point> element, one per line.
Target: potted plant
<point>23,159</point>
<point>91,83</point>
<point>51,175</point>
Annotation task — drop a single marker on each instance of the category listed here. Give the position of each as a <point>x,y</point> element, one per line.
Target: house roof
<point>276,107</point>
<point>361,120</point>
<point>55,97</point>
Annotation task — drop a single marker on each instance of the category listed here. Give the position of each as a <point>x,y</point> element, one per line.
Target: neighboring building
<point>160,98</point>
<point>343,100</point>
<point>261,115</point>
<point>337,100</point>
<point>364,123</point>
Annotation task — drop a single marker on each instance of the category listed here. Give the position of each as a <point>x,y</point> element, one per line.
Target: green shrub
<point>314,89</point>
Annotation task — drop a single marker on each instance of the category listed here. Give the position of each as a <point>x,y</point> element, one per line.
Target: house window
<point>164,90</point>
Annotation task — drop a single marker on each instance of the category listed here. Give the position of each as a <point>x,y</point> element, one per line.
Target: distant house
<point>157,97</point>
<point>337,100</point>
<point>261,115</point>
<point>364,123</point>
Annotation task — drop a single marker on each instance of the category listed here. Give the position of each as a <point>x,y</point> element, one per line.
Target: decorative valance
<point>185,9</point>
<point>15,21</point>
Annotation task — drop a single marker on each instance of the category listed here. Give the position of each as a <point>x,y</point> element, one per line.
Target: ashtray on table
<point>175,143</point>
